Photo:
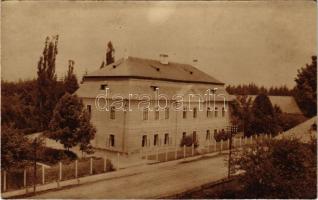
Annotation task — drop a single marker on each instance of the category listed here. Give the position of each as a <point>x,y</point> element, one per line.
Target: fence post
<point>166,154</point>
<point>43,174</point>
<point>157,154</point>
<point>4,181</point>
<point>91,165</point>
<point>24,177</point>
<point>176,153</point>
<point>192,149</point>
<point>215,147</point>
<point>221,145</point>
<point>141,152</point>
<point>251,139</point>
<point>60,170</point>
<point>228,143</point>
<point>184,151</point>
<point>240,141</point>
<point>76,169</point>
<point>105,160</point>
<point>117,160</point>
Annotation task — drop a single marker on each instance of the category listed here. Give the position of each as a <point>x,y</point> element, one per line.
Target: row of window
<point>145,142</point>
<point>145,115</point>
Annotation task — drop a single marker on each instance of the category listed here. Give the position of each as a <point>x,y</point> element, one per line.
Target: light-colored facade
<point>139,125</point>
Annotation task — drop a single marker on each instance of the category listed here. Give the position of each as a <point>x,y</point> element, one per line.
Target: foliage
<point>70,80</point>
<point>253,89</point>
<point>52,156</point>
<point>18,105</point>
<point>241,113</point>
<point>264,119</point>
<point>16,149</point>
<point>222,135</point>
<point>86,133</point>
<point>306,88</point>
<point>47,95</point>
<point>278,169</point>
<point>70,123</point>
<point>188,141</point>
<point>110,53</point>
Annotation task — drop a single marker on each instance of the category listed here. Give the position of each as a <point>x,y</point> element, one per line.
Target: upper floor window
<point>223,112</point>
<point>216,111</point>
<point>156,113</point>
<point>145,114</point>
<point>195,112</point>
<point>184,113</point>
<point>166,113</point>
<point>103,86</point>
<point>184,134</point>
<point>112,112</point>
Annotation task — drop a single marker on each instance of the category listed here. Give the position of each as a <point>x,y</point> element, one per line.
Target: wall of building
<point>129,127</point>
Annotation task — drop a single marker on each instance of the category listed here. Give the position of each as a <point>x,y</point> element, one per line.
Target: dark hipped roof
<point>133,67</point>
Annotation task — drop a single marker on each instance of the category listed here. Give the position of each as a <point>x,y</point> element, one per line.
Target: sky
<point>237,42</point>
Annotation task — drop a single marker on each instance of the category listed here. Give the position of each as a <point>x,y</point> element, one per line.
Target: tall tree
<point>264,117</point>
<point>241,114</point>
<point>69,123</point>
<point>46,82</point>
<point>70,80</point>
<point>306,88</point>
<point>110,57</point>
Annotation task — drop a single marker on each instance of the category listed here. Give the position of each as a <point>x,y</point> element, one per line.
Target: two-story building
<point>137,103</point>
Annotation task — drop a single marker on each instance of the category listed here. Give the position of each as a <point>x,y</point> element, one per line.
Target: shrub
<point>278,169</point>
<point>188,141</point>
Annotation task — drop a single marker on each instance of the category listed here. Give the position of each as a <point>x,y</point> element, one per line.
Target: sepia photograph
<point>159,99</point>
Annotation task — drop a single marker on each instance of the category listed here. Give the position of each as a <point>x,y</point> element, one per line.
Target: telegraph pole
<point>34,162</point>
<point>232,130</point>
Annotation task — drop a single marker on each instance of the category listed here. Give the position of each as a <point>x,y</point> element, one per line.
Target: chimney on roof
<point>164,59</point>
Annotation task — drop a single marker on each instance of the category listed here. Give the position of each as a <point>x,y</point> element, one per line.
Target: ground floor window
<point>166,139</point>
<point>112,140</point>
<point>156,140</point>
<point>144,141</point>
<point>208,136</point>
<point>194,136</point>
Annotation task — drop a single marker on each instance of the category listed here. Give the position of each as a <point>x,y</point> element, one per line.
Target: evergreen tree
<point>306,88</point>
<point>110,58</point>
<point>264,118</point>
<point>46,82</point>
<point>70,80</point>
<point>69,123</point>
